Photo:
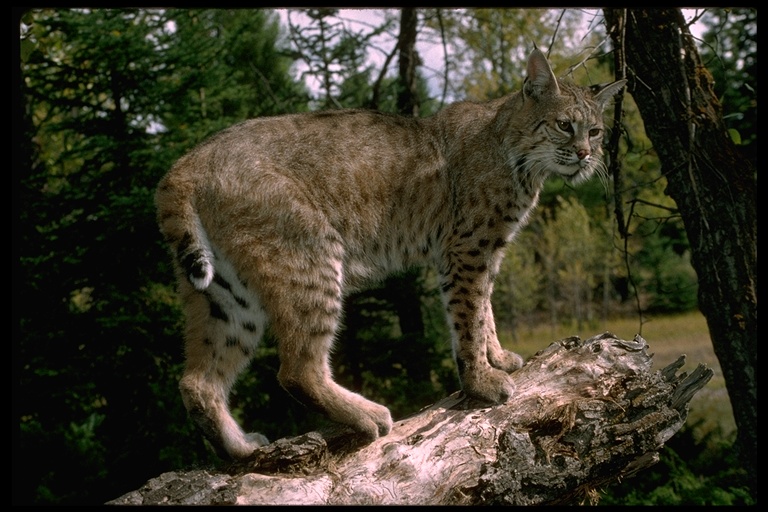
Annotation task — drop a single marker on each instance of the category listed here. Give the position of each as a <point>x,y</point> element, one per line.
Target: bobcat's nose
<point>582,154</point>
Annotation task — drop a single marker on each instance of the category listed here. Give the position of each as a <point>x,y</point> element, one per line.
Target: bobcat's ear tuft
<point>540,80</point>
<point>605,92</point>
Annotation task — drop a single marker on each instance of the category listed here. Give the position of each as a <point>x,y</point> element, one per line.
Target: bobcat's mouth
<point>580,173</point>
<point>570,170</point>
<point>574,175</point>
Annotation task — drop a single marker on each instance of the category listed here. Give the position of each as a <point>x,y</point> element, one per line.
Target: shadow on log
<point>585,414</point>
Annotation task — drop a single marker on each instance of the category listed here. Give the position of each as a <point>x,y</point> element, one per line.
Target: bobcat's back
<point>375,186</point>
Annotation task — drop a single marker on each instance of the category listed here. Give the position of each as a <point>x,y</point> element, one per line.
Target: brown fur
<point>274,220</point>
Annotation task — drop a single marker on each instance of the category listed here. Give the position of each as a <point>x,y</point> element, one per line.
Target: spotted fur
<point>275,220</point>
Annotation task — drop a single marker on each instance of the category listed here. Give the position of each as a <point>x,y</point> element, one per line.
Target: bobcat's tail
<point>181,226</point>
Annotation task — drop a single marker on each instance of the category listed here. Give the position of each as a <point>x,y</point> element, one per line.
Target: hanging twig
<point>376,89</point>
<point>554,34</point>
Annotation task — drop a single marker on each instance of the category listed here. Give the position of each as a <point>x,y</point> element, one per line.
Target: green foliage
<point>730,53</point>
<point>334,56</point>
<point>518,290</point>
<point>665,278</point>
<point>226,68</point>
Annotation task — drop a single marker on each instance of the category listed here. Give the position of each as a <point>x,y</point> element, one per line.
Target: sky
<point>431,52</point>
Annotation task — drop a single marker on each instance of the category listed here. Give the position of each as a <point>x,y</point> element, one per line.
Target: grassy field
<point>668,337</point>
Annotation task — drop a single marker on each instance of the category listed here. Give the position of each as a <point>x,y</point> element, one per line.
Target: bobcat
<point>275,220</point>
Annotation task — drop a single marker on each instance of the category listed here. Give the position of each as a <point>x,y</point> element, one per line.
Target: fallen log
<point>585,413</point>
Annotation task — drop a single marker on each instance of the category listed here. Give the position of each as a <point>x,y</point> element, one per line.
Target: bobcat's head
<point>562,130</point>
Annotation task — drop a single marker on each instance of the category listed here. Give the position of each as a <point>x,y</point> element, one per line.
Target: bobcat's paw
<point>372,419</point>
<point>488,384</point>
<point>236,445</point>
<point>506,361</point>
<point>366,417</point>
<point>256,440</point>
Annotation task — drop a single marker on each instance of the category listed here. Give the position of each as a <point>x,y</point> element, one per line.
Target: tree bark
<point>407,98</point>
<point>586,413</point>
<point>715,189</point>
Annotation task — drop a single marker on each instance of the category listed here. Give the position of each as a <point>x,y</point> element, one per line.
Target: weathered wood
<point>585,413</point>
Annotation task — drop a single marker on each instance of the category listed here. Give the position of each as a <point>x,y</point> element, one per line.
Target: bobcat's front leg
<point>498,357</point>
<point>483,365</point>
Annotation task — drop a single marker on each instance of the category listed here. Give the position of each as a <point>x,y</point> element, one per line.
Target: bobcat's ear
<point>605,92</point>
<point>540,80</point>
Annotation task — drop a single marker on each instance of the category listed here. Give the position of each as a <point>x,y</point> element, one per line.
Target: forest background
<point>108,99</point>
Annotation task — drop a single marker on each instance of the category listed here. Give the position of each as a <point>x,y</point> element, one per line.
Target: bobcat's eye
<point>565,126</point>
<point>594,132</point>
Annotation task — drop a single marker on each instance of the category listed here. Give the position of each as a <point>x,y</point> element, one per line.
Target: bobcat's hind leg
<point>309,381</point>
<point>305,312</point>
<point>206,402</point>
<point>224,325</point>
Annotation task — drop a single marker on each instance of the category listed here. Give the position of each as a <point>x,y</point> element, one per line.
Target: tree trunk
<point>405,291</point>
<point>407,98</point>
<point>714,188</point>
<point>586,413</point>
